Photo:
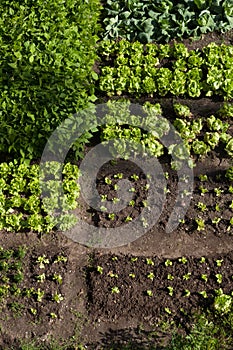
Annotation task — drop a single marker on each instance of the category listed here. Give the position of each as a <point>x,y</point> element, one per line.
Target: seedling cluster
<point>40,287</point>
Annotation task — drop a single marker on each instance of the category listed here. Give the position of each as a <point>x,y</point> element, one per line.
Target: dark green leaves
<point>164,20</point>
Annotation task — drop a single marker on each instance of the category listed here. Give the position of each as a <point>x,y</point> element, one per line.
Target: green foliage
<point>164,20</point>
<point>192,73</point>
<point>229,173</point>
<point>47,53</point>
<point>123,135</point>
<point>21,202</point>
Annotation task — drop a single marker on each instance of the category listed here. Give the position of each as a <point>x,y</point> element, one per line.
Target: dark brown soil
<point>134,276</point>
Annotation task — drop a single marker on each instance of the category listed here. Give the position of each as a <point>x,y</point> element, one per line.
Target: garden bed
<point>134,294</point>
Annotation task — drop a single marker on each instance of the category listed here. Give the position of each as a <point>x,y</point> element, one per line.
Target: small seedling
<point>60,258</point>
<point>57,278</point>
<point>168,262</point>
<point>133,259</point>
<point>33,311</point>
<point>57,298</point>
<point>115,200</point>
<point>219,262</point>
<point>187,276</point>
<point>134,177</point>
<point>216,221</point>
<point>200,224</point>
<point>219,278</point>
<point>186,293</point>
<point>145,203</point>
<point>118,176</point>
<point>204,277</point>
<point>99,269</point>
<point>103,208</point>
<point>114,258</point>
<point>170,277</point>
<point>204,294</point>
<point>149,261</point>
<point>53,315</point>
<point>167,310</point>
<point>128,218</point>
<point>201,206</point>
<point>132,189</point>
<point>42,260</point>
<point>113,275</point>
<point>132,203</point>
<point>202,260</point>
<point>171,290</point>
<point>218,191</point>
<point>132,275</point>
<point>144,222</point>
<point>182,260</point>
<point>151,276</point>
<point>103,197</point>
<point>107,180</point>
<point>149,293</point>
<point>203,178</point>
<point>203,190</point>
<point>111,216</point>
<point>41,278</point>
<point>115,290</point>
<point>116,187</point>
<point>39,293</point>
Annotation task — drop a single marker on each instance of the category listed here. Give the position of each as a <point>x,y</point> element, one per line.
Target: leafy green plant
<point>219,262</point>
<point>149,261</point>
<point>149,293</point>
<point>58,278</point>
<point>218,277</point>
<point>222,303</point>
<point>204,277</point>
<point>151,276</point>
<point>49,62</point>
<point>162,21</point>
<point>202,206</point>
<point>170,277</point>
<point>183,260</point>
<point>42,260</point>
<point>187,293</point>
<point>229,173</point>
<point>41,278</point>
<point>99,269</point>
<point>168,262</point>
<point>200,224</point>
<point>57,297</point>
<point>187,276</point>
<point>39,294</point>
<point>115,290</point>
<point>170,290</point>
<point>204,294</point>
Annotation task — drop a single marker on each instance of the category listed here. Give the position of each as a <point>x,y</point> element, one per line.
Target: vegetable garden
<point>148,80</point>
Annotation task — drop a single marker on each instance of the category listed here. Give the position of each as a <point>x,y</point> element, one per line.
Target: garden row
<point>164,20</point>
<point>160,70</point>
<point>151,287</point>
<point>28,288</point>
<point>40,198</point>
